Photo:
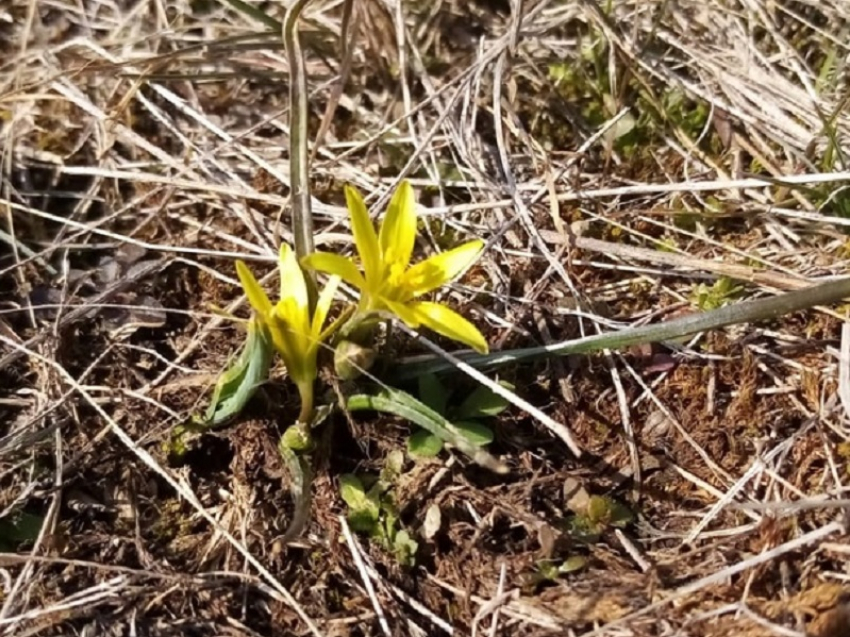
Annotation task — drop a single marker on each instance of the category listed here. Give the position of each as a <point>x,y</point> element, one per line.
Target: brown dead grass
<point>96,154</point>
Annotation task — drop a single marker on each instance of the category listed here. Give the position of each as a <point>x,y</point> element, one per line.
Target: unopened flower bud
<point>352,359</point>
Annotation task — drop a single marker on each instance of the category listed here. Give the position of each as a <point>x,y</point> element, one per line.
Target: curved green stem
<point>301,477</point>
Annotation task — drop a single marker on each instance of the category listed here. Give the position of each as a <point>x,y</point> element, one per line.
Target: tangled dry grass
<point>627,162</point>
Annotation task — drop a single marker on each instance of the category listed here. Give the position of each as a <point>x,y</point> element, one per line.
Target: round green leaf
<point>423,444</point>
<point>483,402</point>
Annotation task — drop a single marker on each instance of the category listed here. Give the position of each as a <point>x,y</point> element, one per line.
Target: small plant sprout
<point>388,282</point>
<point>295,333</point>
<point>372,509</point>
<point>466,417</point>
<point>233,389</point>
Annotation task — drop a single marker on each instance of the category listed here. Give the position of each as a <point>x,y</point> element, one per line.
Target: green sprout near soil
<point>599,515</point>
<point>720,293</point>
<point>480,404</point>
<point>372,510</point>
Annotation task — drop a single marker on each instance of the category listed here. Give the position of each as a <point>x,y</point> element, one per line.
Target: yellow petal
<point>292,340</point>
<point>323,305</point>
<point>441,268</point>
<point>398,230</point>
<point>450,324</point>
<point>292,284</point>
<point>257,297</point>
<point>364,234</point>
<point>404,312</point>
<point>340,266</point>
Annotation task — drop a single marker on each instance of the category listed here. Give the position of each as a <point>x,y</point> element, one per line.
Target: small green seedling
<point>551,570</point>
<point>372,510</point>
<point>601,514</point>
<point>720,293</point>
<point>480,404</point>
<point>467,437</point>
<point>234,388</point>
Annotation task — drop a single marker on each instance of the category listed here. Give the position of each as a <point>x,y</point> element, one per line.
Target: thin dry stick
<point>364,575</point>
<point>349,28</point>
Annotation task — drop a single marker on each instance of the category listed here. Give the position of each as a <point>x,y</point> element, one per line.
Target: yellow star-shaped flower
<point>388,281</point>
<point>295,332</point>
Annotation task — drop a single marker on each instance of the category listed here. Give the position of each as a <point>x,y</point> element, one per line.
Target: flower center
<point>394,287</point>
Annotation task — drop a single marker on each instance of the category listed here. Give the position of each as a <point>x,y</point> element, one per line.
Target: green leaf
<point>582,529</point>
<point>297,438</point>
<point>546,571</point>
<point>393,466</point>
<point>363,509</point>
<point>18,528</point>
<point>405,548</point>
<point>433,393</point>
<point>605,511</point>
<point>233,389</point>
<point>572,564</point>
<point>621,515</point>
<point>483,402</point>
<point>240,381</point>
<point>476,433</point>
<point>423,444</point>
<point>402,404</point>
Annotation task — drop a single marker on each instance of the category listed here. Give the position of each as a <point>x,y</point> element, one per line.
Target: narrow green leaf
<point>233,389</point>
<point>827,293</point>
<point>402,404</point>
<point>476,433</point>
<point>240,381</point>
<point>300,479</point>
<point>572,564</point>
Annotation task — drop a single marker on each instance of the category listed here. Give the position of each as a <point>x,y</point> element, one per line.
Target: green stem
<point>305,416</point>
<point>301,478</point>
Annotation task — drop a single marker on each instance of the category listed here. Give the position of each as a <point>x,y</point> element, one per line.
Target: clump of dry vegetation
<point>627,163</point>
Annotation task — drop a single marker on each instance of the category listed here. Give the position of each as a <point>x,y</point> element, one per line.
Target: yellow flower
<point>388,281</point>
<point>295,334</point>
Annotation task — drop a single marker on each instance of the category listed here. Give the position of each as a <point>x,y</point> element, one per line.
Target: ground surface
<point>144,147</point>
